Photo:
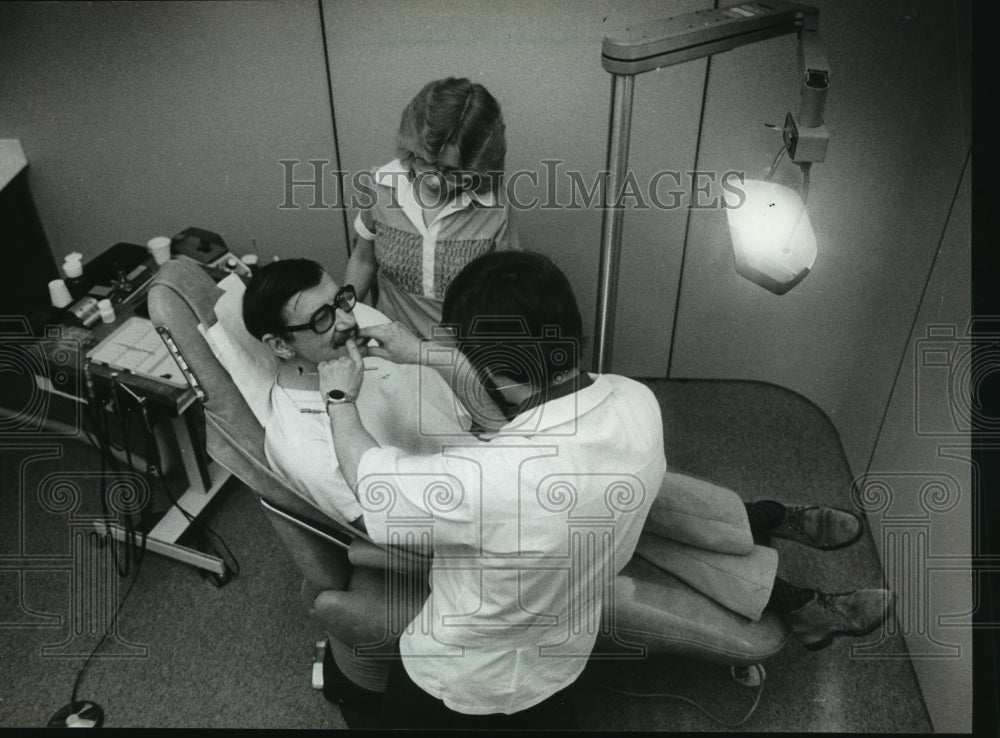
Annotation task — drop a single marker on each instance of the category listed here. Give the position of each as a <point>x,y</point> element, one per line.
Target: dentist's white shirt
<point>528,530</point>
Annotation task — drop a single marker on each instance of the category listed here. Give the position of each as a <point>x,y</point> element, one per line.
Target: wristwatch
<point>337,397</point>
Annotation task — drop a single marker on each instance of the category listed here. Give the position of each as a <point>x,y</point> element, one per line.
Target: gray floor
<point>189,654</point>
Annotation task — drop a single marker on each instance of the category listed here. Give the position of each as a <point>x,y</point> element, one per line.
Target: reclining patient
<point>695,530</point>
<point>296,309</point>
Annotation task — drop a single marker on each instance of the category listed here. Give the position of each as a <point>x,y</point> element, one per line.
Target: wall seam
<point>333,124</point>
<point>916,312</point>
<point>687,220</point>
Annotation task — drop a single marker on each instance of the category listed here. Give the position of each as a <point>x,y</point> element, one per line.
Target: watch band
<point>337,397</point>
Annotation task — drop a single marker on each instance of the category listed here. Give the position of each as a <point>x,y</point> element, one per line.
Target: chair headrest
<point>183,297</point>
<point>249,362</point>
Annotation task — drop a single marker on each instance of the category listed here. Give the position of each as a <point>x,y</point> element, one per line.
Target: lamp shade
<point>773,240</point>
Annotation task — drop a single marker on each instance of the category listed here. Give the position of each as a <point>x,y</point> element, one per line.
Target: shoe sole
<point>826,641</point>
<point>834,547</point>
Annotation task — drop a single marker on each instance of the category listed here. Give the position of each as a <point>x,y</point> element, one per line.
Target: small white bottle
<point>73,269</point>
<point>107,310</point>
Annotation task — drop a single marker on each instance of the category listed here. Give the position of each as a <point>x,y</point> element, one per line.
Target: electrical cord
<point>805,166</point>
<point>108,631</point>
<point>774,164</point>
<point>91,438</point>
<point>117,447</point>
<point>122,569</point>
<point>101,438</point>
<point>125,427</point>
<point>232,563</point>
<point>154,469</point>
<point>145,511</point>
<point>681,698</point>
<point>103,432</point>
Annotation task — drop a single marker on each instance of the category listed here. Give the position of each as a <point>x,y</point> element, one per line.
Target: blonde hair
<point>459,114</point>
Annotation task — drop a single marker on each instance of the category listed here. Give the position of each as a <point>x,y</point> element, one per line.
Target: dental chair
<point>364,596</point>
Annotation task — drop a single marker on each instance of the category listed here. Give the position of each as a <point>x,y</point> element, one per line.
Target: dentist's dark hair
<point>515,314</point>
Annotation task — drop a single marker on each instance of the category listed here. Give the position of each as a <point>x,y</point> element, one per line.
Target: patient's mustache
<point>340,339</point>
<point>349,334</point>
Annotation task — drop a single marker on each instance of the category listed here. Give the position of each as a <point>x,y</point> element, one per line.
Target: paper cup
<point>59,293</point>
<point>159,247</point>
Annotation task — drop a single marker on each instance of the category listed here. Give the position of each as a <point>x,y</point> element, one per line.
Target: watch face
<point>336,395</point>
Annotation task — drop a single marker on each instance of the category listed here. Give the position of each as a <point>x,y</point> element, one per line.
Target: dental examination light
<point>773,240</point>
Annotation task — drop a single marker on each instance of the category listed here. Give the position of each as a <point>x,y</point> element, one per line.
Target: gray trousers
<point>698,532</point>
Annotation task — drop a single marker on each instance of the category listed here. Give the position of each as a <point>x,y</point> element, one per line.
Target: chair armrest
<point>364,553</point>
<point>331,535</point>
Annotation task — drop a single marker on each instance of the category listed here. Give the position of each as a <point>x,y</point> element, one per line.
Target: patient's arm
<point>401,346</point>
<point>350,439</point>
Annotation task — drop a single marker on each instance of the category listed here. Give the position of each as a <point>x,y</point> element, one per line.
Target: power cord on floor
<point>86,714</point>
<point>681,698</point>
<point>77,713</point>
<point>110,629</point>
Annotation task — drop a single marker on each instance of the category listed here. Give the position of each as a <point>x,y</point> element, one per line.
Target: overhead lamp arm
<point>669,41</point>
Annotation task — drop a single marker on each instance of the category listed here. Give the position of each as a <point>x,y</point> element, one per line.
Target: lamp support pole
<point>654,45</point>
<point>619,133</point>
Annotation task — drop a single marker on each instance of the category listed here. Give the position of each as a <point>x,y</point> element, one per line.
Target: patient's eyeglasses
<point>324,318</point>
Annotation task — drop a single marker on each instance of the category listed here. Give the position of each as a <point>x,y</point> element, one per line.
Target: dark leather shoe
<point>826,528</point>
<point>829,616</point>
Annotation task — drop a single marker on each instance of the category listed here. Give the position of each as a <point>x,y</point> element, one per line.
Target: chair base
<point>359,706</point>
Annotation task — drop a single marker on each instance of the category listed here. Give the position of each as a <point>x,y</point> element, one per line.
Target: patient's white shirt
<point>402,405</point>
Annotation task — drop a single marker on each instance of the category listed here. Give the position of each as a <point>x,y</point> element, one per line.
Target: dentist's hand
<point>397,343</point>
<point>345,373</point>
